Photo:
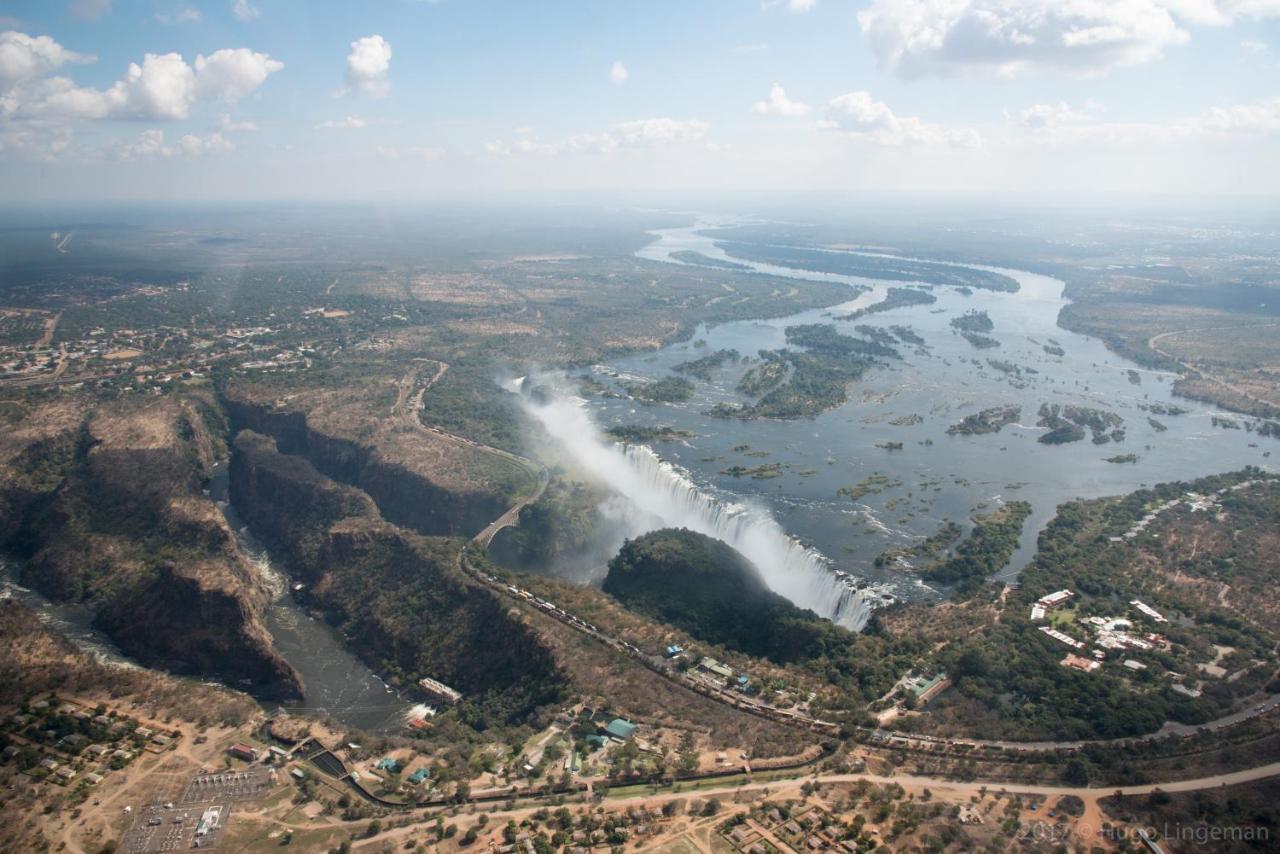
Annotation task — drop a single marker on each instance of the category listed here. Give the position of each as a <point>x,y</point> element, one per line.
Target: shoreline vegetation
<point>688,256</point>
<point>1067,423</point>
<point>702,367</point>
<point>869,266</point>
<point>984,552</point>
<point>894,298</point>
<point>636,434</point>
<point>991,420</point>
<point>665,390</point>
<point>790,383</point>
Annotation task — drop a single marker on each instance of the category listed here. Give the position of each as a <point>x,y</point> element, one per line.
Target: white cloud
<point>186,15</point>
<point>1254,47</point>
<point>790,5</point>
<point>860,115</point>
<point>34,140</point>
<point>757,47</point>
<point>1260,117</point>
<point>192,144</point>
<point>1039,116</point>
<point>1063,125</point>
<point>89,10</point>
<point>227,125</point>
<point>349,123</point>
<point>658,132</point>
<point>368,65</point>
<point>244,10</point>
<point>232,73</point>
<point>152,144</point>
<point>23,57</point>
<point>163,87</point>
<point>1007,37</point>
<point>408,152</point>
<point>778,104</point>
<point>1256,9</point>
<point>625,136</point>
<point>618,73</point>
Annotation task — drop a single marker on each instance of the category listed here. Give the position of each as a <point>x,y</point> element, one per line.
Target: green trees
<point>704,587</point>
<point>987,548</point>
<point>708,589</point>
<point>973,321</point>
<point>665,390</point>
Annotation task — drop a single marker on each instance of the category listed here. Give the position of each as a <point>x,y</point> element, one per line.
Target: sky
<point>420,100</point>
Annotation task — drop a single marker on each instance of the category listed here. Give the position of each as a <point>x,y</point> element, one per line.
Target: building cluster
<point>799,826</point>
<point>1196,502</point>
<point>67,743</point>
<point>1115,634</point>
<point>1076,662</point>
<point>147,359</point>
<point>1110,634</point>
<point>1151,515</point>
<point>1148,611</point>
<point>1048,602</point>
<point>719,674</point>
<point>925,687</point>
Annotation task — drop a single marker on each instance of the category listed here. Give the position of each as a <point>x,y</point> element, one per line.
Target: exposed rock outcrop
<point>111,514</point>
<point>435,485</point>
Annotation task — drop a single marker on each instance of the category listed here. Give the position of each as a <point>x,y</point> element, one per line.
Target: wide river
<point>936,476</point>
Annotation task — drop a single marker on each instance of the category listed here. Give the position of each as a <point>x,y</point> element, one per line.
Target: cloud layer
<point>1008,37</point>
<point>163,87</point>
<point>858,114</point>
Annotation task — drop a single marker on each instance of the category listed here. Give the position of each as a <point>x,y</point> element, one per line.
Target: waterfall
<point>659,494</point>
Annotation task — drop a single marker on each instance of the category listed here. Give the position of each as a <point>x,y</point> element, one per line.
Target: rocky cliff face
<point>399,596</point>
<point>176,620</point>
<point>432,485</point>
<point>292,504</point>
<point>113,515</point>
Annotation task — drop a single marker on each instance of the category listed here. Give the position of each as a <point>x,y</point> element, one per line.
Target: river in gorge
<point>908,494</point>
<point>335,682</point>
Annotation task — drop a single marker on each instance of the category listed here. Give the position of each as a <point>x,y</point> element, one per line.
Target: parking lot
<point>160,828</point>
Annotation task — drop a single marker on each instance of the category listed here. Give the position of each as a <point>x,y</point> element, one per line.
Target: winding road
<point>1151,344</point>
<point>408,407</point>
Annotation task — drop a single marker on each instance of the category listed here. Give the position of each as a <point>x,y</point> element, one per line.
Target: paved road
<point>1262,772</point>
<point>512,516</point>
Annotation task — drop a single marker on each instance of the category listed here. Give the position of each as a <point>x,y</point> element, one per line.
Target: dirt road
<point>1152,342</point>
